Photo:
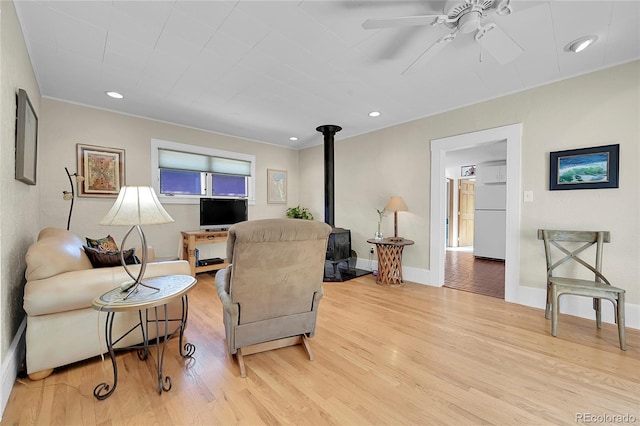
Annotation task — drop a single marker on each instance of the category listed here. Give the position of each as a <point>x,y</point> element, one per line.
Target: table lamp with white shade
<point>395,205</point>
<point>135,206</point>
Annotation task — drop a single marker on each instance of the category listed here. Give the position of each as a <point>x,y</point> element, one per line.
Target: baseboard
<point>579,306</point>
<point>533,297</point>
<point>10,365</point>
<point>409,273</point>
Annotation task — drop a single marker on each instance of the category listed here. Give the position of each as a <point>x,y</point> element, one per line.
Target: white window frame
<point>157,144</point>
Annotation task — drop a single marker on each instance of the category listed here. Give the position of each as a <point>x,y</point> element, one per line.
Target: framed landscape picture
<point>102,169</point>
<point>585,168</point>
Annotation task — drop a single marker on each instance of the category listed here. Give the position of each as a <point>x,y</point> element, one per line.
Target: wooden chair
<point>598,288</point>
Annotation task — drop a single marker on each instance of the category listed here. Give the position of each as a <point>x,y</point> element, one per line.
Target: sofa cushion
<point>107,259</point>
<point>103,244</point>
<point>56,251</point>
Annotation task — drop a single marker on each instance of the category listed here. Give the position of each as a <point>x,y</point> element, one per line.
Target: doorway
<point>512,135</point>
<point>464,269</point>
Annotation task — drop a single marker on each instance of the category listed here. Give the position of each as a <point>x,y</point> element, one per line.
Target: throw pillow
<point>103,244</point>
<point>100,259</point>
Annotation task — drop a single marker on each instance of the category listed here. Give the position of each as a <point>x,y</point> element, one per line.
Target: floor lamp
<point>71,195</point>
<point>395,205</point>
<point>135,206</point>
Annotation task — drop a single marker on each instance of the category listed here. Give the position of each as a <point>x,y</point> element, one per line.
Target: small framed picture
<point>26,140</point>
<point>585,168</point>
<point>466,171</point>
<point>102,169</point>
<point>277,186</point>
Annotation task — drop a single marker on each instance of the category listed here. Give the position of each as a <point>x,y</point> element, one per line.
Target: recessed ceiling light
<point>115,95</point>
<point>580,44</point>
<point>374,114</point>
<point>293,138</point>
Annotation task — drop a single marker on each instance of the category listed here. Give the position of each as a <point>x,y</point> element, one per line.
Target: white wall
<point>64,125</point>
<point>19,203</point>
<point>595,109</point>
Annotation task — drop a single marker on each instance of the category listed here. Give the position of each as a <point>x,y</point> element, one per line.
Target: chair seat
<point>587,285</point>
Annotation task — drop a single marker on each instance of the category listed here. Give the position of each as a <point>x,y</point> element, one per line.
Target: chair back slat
<point>575,236</point>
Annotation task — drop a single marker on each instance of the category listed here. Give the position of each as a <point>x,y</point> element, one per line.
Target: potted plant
<point>299,213</point>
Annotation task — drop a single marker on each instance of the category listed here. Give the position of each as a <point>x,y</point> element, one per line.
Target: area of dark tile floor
<point>483,276</point>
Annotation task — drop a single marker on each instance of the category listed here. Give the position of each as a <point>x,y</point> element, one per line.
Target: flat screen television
<point>218,214</point>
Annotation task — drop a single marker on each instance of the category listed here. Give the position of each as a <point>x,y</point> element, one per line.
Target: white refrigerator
<point>490,221</point>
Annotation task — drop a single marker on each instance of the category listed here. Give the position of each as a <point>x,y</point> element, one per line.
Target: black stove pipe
<point>329,130</point>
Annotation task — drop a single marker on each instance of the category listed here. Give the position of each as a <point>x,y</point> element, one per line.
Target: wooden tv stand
<point>190,239</point>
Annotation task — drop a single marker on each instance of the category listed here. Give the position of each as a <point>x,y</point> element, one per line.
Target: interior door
<point>466,211</point>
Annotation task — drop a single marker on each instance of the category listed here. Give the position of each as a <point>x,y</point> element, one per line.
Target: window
<point>231,186</point>
<point>183,173</point>
<point>182,182</point>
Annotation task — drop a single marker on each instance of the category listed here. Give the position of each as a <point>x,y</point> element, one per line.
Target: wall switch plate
<point>528,196</point>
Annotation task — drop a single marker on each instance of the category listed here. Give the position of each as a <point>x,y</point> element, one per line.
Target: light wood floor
<point>410,355</point>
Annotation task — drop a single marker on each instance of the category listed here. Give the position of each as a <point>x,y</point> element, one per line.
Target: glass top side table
<point>170,288</point>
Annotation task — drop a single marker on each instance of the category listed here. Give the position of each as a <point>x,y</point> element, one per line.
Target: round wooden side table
<point>390,259</point>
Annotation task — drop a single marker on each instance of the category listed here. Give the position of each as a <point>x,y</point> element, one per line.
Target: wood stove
<point>339,244</point>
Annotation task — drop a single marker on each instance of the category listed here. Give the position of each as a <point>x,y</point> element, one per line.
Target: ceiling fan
<point>462,16</point>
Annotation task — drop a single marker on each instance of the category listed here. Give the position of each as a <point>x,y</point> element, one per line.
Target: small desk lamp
<point>395,205</point>
<point>135,206</point>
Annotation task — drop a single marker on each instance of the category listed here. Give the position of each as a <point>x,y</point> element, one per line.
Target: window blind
<point>177,160</point>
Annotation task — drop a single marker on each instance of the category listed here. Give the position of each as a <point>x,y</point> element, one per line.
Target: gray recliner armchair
<point>271,291</point>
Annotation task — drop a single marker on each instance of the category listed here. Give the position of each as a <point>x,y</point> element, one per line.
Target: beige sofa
<point>271,292</point>
<point>62,327</point>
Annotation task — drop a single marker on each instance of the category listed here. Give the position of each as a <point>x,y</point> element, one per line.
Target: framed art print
<point>102,169</point>
<point>585,168</point>
<point>468,170</point>
<point>26,140</point>
<point>277,186</point>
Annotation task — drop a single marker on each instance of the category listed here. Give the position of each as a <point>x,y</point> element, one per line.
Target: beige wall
<point>63,125</point>
<point>19,203</point>
<point>595,109</point>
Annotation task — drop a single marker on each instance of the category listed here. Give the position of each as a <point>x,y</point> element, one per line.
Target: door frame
<point>512,134</point>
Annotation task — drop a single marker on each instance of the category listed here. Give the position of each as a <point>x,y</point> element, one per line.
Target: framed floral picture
<point>277,186</point>
<point>102,169</point>
<point>466,171</point>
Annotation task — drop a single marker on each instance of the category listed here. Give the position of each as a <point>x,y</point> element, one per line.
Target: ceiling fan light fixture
<point>581,44</point>
<point>469,22</point>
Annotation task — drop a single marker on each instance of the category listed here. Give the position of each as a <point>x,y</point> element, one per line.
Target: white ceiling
<point>268,70</point>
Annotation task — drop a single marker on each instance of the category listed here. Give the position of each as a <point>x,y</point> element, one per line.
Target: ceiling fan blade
<point>432,51</point>
<point>498,43</point>
<point>404,21</point>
